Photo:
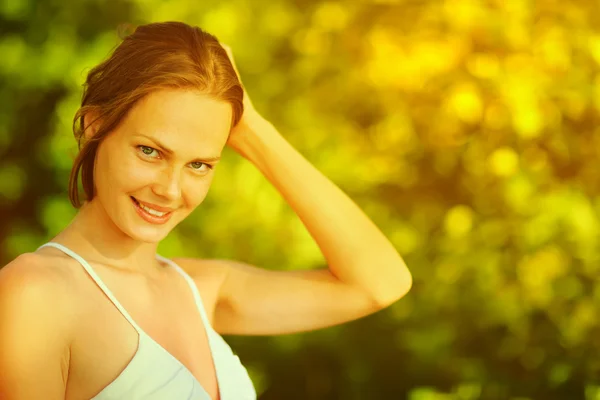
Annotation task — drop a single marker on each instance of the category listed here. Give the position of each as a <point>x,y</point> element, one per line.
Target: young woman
<point>97,313</point>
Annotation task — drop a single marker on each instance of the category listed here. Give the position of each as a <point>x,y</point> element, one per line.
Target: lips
<point>153,219</point>
<point>153,206</point>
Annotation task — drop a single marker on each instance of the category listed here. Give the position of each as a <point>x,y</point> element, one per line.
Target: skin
<point>121,248</point>
<point>191,124</point>
<point>365,273</point>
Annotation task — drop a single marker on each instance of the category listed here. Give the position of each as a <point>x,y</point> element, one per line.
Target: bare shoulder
<point>202,268</point>
<point>208,275</point>
<point>36,328</point>
<point>44,263</point>
<point>34,278</point>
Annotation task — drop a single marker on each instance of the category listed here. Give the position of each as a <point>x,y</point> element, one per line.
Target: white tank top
<point>154,374</point>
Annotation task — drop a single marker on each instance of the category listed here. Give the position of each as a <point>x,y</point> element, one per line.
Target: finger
<point>230,55</point>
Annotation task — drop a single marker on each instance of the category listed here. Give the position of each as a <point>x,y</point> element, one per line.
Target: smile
<point>149,214</point>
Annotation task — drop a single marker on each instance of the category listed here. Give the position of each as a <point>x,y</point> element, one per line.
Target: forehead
<point>181,118</point>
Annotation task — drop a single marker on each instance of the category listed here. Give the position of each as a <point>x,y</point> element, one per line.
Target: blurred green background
<point>468,130</point>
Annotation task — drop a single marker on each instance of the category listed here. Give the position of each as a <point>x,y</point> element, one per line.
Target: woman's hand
<point>248,106</point>
<point>251,119</point>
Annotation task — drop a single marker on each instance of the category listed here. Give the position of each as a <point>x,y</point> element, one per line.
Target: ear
<point>91,123</point>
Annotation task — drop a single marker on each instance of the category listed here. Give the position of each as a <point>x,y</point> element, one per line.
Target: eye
<point>146,150</point>
<point>197,166</point>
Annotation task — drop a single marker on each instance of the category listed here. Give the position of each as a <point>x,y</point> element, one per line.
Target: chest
<point>106,343</point>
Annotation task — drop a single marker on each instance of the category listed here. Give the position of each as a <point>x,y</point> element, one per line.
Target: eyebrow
<point>171,152</point>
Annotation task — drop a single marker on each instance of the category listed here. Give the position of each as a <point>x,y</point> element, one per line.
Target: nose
<point>168,185</point>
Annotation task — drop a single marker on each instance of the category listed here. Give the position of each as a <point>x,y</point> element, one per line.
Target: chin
<point>143,231</point>
<point>149,235</point>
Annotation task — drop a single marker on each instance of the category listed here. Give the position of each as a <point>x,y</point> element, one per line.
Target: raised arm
<point>357,252</point>
<point>34,332</point>
<point>365,272</point>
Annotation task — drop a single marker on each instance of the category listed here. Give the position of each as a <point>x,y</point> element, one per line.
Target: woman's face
<point>163,153</point>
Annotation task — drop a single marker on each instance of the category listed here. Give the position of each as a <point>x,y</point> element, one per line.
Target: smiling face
<point>163,153</point>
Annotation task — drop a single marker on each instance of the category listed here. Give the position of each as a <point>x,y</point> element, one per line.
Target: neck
<point>93,235</point>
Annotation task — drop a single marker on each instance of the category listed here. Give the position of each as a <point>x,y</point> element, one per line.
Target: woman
<point>132,324</point>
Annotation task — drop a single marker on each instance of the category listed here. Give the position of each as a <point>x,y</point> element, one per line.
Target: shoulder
<point>201,268</point>
<point>210,273</point>
<point>208,276</point>
<point>36,327</point>
<point>40,268</point>
<point>37,282</point>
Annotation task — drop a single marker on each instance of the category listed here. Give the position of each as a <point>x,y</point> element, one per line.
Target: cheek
<point>135,173</point>
<point>117,172</point>
<point>128,172</point>
<point>195,191</point>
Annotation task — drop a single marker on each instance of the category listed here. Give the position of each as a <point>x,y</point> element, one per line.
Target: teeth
<point>151,211</point>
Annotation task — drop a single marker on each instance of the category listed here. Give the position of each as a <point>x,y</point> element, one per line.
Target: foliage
<point>466,129</point>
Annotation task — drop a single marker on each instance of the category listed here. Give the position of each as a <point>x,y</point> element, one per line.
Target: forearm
<point>356,251</point>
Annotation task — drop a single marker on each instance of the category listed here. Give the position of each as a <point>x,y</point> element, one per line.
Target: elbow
<point>394,290</point>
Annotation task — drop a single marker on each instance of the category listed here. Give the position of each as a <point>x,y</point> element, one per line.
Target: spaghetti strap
<point>154,373</point>
<point>98,281</point>
<point>194,288</point>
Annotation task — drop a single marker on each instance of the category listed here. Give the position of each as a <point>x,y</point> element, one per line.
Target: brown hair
<point>155,56</point>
